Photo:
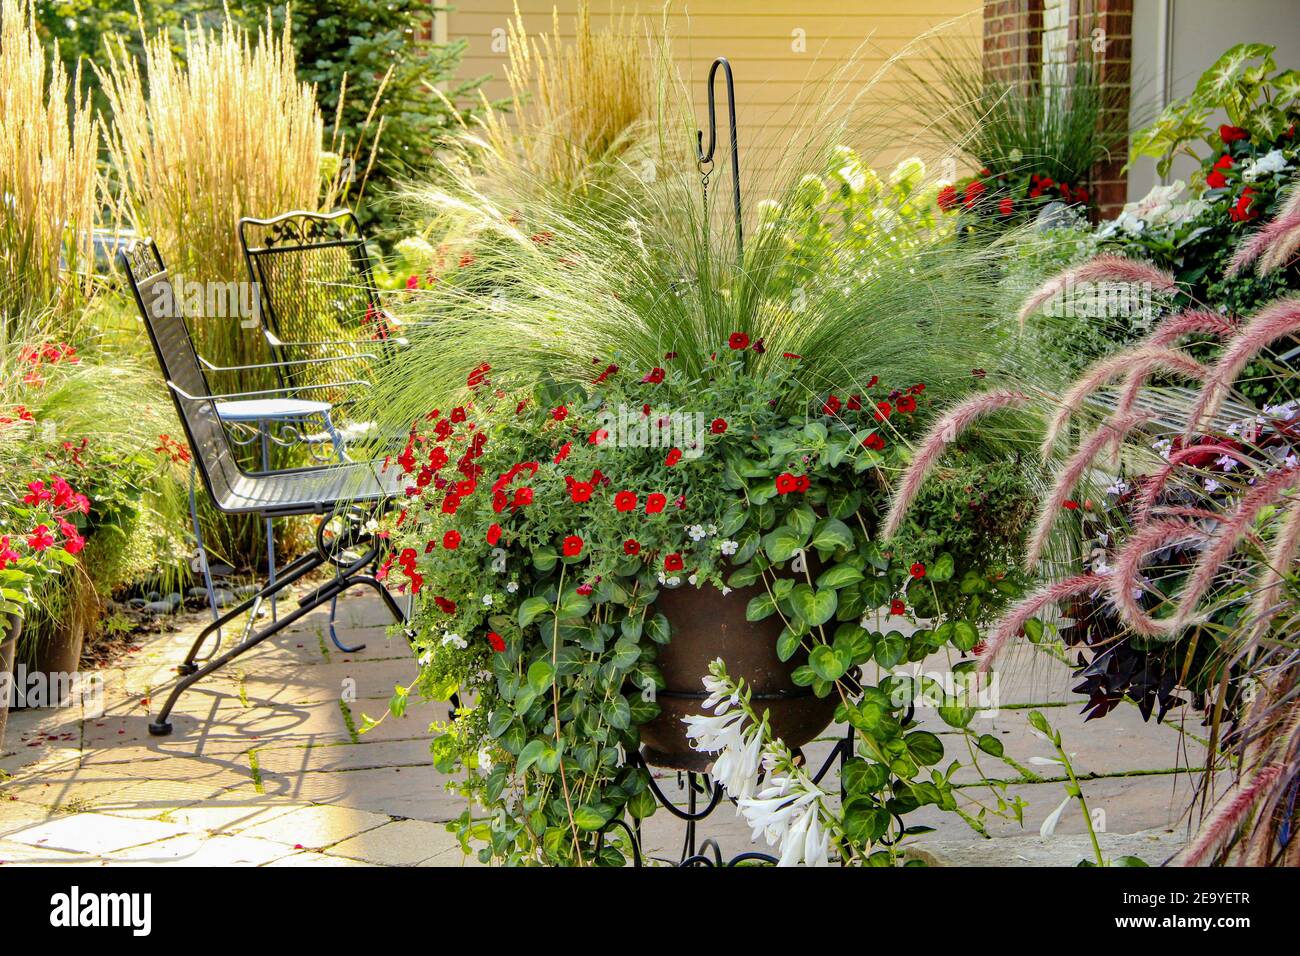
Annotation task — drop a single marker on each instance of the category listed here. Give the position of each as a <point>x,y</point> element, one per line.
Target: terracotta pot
<point>9,630</point>
<point>707,625</point>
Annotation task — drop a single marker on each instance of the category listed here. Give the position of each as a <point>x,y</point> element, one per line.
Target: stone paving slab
<point>267,766</point>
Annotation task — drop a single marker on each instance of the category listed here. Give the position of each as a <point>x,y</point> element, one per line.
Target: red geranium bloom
<point>451,540</point>
<point>1230,134</point>
<point>738,341</point>
<point>40,538</point>
<point>36,493</point>
<point>674,456</point>
<point>907,404</point>
<point>572,546</point>
<point>883,411</point>
<point>497,643</point>
<point>947,198</point>
<point>875,441</point>
<point>917,570</point>
<point>494,534</point>
<point>580,491</point>
<point>630,546</point>
<point>786,483</point>
<point>897,607</point>
<point>654,376</point>
<point>673,562</point>
<point>560,412</point>
<point>719,426</point>
<point>625,501</point>
<point>654,503</point>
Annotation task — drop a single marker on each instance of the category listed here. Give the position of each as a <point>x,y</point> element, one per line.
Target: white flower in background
<point>730,547</point>
<point>1120,487</point>
<point>1163,446</point>
<point>725,590</point>
<point>1226,463</point>
<point>484,759</point>
<point>1212,485</point>
<point>454,640</point>
<point>696,532</point>
<point>425,659</point>
<point>1053,818</point>
<point>512,587</point>
<point>487,600</point>
<point>1266,165</point>
<point>1291,461</point>
<point>693,579</point>
<point>712,529</point>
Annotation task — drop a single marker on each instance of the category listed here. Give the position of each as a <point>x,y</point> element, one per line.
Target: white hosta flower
<point>737,766</point>
<point>1053,818</point>
<point>454,640</point>
<point>1268,164</point>
<point>787,813</point>
<point>730,547</point>
<point>712,734</point>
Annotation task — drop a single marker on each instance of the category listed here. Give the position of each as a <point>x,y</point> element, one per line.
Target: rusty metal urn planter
<point>10,626</point>
<point>706,624</point>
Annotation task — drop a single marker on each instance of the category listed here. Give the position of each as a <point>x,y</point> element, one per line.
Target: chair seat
<point>316,490</point>
<point>269,409</point>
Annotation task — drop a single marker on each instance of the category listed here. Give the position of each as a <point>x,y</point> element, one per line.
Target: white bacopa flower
<point>696,532</point>
<point>1212,485</point>
<point>512,587</point>
<point>487,600</point>
<point>454,640</point>
<point>730,547</point>
<point>1120,487</point>
<point>713,529</point>
<point>484,759</point>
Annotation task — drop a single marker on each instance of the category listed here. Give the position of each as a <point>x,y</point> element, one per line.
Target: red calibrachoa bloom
<point>580,491</point>
<point>625,501</point>
<point>875,441</point>
<point>494,534</point>
<point>478,376</point>
<point>630,546</point>
<point>560,412</point>
<point>917,570</point>
<point>786,483</point>
<point>654,503</point>
<point>738,341</point>
<point>447,607</point>
<point>563,453</point>
<point>831,406</point>
<point>451,540</point>
<point>719,426</point>
<point>947,198</point>
<point>883,411</point>
<point>1070,504</point>
<point>572,546</point>
<point>854,403</point>
<point>673,562</point>
<point>523,496</point>
<point>897,607</point>
<point>654,376</point>
<point>674,456</point>
<point>598,436</point>
<point>907,404</point>
<point>1006,206</point>
<point>496,641</point>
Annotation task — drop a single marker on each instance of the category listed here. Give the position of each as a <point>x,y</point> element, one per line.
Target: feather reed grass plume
<point>49,188</point>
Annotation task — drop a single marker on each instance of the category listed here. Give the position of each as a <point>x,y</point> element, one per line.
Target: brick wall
<point>1013,52</point>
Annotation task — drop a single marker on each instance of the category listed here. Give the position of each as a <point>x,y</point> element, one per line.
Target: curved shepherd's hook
<point>703,156</point>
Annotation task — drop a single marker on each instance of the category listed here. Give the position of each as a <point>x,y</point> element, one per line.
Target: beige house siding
<point>780,51</point>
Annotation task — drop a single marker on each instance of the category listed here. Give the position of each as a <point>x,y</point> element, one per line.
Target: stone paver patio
<point>266,767</point>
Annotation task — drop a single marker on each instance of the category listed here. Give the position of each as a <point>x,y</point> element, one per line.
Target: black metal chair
<point>348,493</point>
<point>316,291</point>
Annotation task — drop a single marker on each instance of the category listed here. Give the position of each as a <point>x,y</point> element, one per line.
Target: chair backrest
<point>316,284</point>
<point>163,314</point>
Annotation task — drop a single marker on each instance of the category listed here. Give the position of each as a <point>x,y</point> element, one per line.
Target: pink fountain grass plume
<point>1155,484</point>
<point>1268,587</point>
<point>1274,242</point>
<point>1104,268</point>
<point>1229,812</point>
<point>1008,628</point>
<point>1139,362</point>
<point>1126,579</point>
<point>1224,539</point>
<point>1070,475</point>
<point>943,433</point>
<point>1277,320</point>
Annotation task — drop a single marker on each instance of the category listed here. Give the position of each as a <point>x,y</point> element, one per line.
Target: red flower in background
<point>447,607</point>
<point>630,546</point>
<point>674,456</point>
<point>875,441</point>
<point>883,411</point>
<point>7,554</point>
<point>1006,206</point>
<point>907,404</point>
<point>947,198</point>
<point>673,562</point>
<point>738,341</point>
<point>496,641</point>
<point>897,607</point>
<point>654,503</point>
<point>625,501</point>
<point>572,546</point>
<point>831,406</point>
<point>1230,134</point>
<point>563,453</point>
<point>451,540</point>
<point>40,539</point>
<point>478,376</point>
<point>598,436</point>
<point>1241,211</point>
<point>974,190</point>
<point>494,534</point>
<point>718,426</point>
<point>654,376</point>
<point>786,483</point>
<point>917,570</point>
<point>580,491</point>
<point>560,413</point>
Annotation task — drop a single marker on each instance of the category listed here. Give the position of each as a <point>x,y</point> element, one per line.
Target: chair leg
<point>161,726</point>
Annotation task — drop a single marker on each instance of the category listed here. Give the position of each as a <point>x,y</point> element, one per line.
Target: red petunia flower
<point>654,503</point>
<point>451,540</point>
<point>719,426</point>
<point>494,534</point>
<point>523,496</point>
<point>654,376</point>
<point>674,456</point>
<point>673,562</point>
<point>496,641</point>
<point>572,546</point>
<point>630,546</point>
<point>625,501</point>
<point>738,341</point>
<point>786,483</point>
<point>8,555</point>
<point>580,492</point>
<point>875,441</point>
<point>897,607</point>
<point>907,404</point>
<point>854,403</point>
<point>883,411</point>
<point>917,570</point>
